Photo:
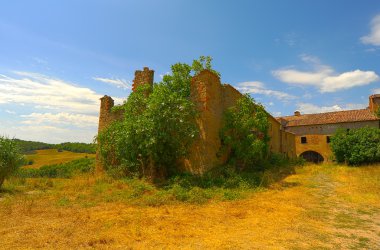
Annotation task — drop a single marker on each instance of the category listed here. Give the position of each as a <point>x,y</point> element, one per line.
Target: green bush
<point>245,134</point>
<point>10,158</point>
<point>356,146</point>
<point>157,130</point>
<point>63,170</point>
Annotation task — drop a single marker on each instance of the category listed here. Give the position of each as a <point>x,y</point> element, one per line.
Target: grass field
<point>318,207</point>
<point>52,156</point>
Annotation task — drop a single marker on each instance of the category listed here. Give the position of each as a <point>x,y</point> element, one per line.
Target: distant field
<point>52,156</point>
<point>318,207</point>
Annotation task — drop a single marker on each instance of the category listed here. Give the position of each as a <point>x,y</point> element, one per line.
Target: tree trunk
<point>1,181</point>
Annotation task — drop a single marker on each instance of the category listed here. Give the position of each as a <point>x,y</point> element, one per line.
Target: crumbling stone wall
<point>144,76</point>
<point>107,115</point>
<point>212,99</point>
<point>374,102</point>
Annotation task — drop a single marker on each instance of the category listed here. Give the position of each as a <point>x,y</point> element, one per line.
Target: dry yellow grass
<point>52,156</point>
<point>319,207</point>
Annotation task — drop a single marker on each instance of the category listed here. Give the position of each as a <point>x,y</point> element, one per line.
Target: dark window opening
<point>328,139</point>
<point>303,140</point>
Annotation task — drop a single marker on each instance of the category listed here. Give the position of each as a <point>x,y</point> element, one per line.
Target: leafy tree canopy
<point>158,129</point>
<point>10,158</point>
<point>245,133</point>
<point>356,146</point>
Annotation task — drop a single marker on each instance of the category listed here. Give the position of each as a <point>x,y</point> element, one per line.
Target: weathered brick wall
<point>374,102</point>
<point>107,116</point>
<point>212,99</point>
<point>207,94</point>
<point>315,142</point>
<point>316,136</point>
<point>329,129</point>
<point>144,76</point>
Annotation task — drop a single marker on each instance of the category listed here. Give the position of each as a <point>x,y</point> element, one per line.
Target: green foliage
<point>245,133</point>
<point>357,146</point>
<point>158,128</point>
<point>77,147</point>
<point>64,170</point>
<point>10,158</point>
<point>27,147</point>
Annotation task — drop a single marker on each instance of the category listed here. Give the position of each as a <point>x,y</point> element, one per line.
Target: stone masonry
<point>211,98</point>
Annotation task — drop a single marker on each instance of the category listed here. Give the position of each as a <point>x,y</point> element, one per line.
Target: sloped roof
<point>328,118</point>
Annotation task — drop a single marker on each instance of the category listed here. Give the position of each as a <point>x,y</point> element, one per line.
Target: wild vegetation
<point>160,126</point>
<point>356,146</point>
<point>29,147</point>
<point>10,158</point>
<point>319,206</point>
<point>245,134</point>
<point>51,157</point>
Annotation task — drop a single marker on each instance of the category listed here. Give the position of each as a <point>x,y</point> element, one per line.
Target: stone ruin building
<point>304,135</point>
<point>313,131</point>
<point>211,98</point>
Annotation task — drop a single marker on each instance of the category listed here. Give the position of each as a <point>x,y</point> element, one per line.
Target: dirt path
<point>347,225</point>
<point>320,207</point>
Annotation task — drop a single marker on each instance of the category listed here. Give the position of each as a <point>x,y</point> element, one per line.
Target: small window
<point>328,139</point>
<point>303,140</point>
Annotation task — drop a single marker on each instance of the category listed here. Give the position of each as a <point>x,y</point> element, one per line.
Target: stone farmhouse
<point>211,98</point>
<point>313,131</point>
<point>305,135</point>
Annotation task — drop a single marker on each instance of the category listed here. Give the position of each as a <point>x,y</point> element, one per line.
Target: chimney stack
<point>297,113</point>
<point>374,102</point>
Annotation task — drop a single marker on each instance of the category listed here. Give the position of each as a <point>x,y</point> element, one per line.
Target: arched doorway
<point>312,156</point>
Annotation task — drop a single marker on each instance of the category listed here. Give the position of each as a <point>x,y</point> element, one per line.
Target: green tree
<point>245,133</point>
<point>158,129</point>
<point>357,146</point>
<point>10,158</point>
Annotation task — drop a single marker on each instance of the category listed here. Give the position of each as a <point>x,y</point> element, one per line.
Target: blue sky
<point>58,57</point>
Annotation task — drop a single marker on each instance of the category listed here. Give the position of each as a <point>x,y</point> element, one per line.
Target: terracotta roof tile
<point>329,118</point>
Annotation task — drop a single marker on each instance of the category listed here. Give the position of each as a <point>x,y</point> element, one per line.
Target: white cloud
<point>376,91</point>
<point>73,109</point>
<point>46,133</point>
<point>308,108</point>
<point>10,112</point>
<point>323,76</point>
<point>60,119</point>
<point>46,92</point>
<point>119,83</point>
<point>259,88</point>
<point>374,37</point>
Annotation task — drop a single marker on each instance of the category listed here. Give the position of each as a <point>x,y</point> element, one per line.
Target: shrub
<point>157,130</point>
<point>245,133</point>
<point>356,146</point>
<point>63,170</point>
<point>10,158</point>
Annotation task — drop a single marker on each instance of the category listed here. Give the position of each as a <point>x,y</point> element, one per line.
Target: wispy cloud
<point>73,110</point>
<point>47,92</point>
<point>376,91</point>
<point>256,87</point>
<point>324,77</point>
<point>61,119</point>
<point>10,112</point>
<point>119,83</point>
<point>373,38</point>
<point>309,108</point>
